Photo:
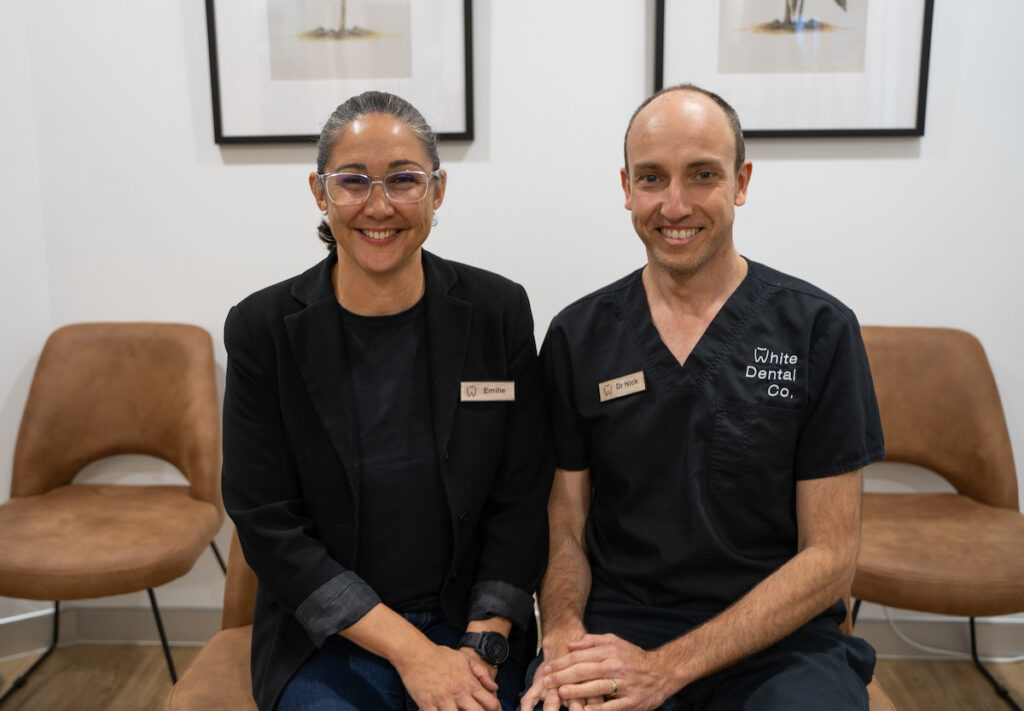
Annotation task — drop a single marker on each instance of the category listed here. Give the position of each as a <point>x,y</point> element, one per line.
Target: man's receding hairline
<point>694,90</point>
<point>670,92</point>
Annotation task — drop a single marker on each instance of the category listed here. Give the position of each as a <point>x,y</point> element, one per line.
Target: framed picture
<point>278,68</point>
<point>803,67</point>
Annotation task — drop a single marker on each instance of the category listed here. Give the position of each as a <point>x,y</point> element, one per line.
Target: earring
<point>323,212</point>
<point>433,220</point>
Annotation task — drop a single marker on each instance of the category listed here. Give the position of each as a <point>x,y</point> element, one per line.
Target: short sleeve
<point>571,451</point>
<point>842,430</point>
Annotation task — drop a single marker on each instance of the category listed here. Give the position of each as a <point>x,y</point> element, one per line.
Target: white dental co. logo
<point>776,368</point>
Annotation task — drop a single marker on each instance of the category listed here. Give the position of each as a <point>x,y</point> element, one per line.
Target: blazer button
<point>463,518</point>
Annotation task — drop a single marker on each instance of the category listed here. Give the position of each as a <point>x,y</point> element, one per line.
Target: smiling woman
<point>396,522</point>
<point>378,233</point>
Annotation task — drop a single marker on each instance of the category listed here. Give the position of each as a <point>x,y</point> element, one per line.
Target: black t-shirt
<point>694,466</point>
<point>404,533</point>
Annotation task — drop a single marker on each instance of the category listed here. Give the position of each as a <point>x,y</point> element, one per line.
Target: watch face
<point>495,648</point>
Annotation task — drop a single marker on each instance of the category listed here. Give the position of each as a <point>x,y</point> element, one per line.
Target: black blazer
<point>291,470</point>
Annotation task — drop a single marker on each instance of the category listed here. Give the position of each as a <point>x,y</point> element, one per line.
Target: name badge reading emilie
<point>487,390</point>
<point>620,387</point>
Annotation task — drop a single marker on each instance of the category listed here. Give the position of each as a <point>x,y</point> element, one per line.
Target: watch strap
<point>477,642</point>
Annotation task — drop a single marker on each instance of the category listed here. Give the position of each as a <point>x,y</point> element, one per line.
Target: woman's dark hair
<point>370,102</point>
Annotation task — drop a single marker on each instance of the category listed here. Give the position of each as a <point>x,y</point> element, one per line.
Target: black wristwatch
<point>491,646</point>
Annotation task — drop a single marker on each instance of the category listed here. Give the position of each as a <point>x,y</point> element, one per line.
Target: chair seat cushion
<point>88,540</point>
<point>219,676</point>
<point>878,700</point>
<point>942,553</point>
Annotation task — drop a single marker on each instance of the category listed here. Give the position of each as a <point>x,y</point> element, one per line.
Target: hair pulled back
<point>370,102</point>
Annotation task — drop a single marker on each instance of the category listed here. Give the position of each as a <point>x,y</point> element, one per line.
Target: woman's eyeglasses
<point>354,188</point>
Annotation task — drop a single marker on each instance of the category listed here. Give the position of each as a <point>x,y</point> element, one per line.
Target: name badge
<point>487,390</point>
<point>621,387</point>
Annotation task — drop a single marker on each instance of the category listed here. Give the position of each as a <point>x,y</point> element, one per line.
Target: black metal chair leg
<point>163,636</point>
<point>1001,690</point>
<point>856,611</point>
<point>220,559</point>
<point>20,681</point>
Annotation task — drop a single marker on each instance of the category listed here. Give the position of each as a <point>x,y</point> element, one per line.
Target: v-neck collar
<point>732,318</point>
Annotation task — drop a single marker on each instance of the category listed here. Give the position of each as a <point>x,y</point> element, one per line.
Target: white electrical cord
<point>935,650</point>
<point>918,645</point>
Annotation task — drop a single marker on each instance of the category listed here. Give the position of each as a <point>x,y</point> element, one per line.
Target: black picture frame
<point>250,108</point>
<point>761,118</point>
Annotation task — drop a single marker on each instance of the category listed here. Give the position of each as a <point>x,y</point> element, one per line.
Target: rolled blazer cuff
<point>494,598</point>
<point>335,605</point>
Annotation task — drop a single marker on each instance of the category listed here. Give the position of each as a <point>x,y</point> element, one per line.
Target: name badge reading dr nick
<point>620,387</point>
<point>487,390</point>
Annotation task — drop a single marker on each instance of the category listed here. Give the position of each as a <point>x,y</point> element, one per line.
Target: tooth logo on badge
<point>622,386</point>
<point>471,391</point>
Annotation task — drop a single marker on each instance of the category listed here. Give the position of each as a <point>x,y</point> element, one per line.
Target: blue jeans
<point>342,676</point>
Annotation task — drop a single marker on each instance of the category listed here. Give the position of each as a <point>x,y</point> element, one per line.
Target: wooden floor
<point>918,685</point>
<point>95,677</point>
<point>126,678</point>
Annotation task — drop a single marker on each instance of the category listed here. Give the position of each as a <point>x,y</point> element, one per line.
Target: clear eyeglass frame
<point>394,193</point>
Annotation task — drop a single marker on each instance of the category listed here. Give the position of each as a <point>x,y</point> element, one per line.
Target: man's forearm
<point>828,521</point>
<point>783,602</point>
<point>565,587</point>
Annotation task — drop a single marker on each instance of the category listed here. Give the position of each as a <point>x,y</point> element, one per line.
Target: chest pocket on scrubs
<point>753,450</point>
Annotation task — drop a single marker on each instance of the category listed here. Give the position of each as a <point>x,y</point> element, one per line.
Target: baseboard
<point>26,633</point>
<point>116,625</point>
<point>999,639</point>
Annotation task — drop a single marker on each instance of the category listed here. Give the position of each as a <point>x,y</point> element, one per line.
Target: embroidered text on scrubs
<point>765,356</point>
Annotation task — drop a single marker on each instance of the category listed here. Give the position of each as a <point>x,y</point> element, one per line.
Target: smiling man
<point>711,418</point>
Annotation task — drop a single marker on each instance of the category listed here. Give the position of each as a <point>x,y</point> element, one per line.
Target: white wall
<point>24,277</point>
<point>117,205</point>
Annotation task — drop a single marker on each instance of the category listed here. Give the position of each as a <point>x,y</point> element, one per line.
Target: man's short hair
<point>730,113</point>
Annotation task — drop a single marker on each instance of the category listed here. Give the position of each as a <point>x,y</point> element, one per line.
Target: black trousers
<point>816,667</point>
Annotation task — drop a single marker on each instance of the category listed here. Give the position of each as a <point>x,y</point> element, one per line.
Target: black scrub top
<point>694,466</point>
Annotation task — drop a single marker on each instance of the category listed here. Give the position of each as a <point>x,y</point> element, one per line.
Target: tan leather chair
<point>948,553</point>
<point>219,676</point>
<point>101,389</point>
<point>878,700</point>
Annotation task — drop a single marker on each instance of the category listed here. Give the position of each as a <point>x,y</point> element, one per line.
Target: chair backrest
<point>121,388</point>
<point>940,409</point>
<point>239,589</point>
